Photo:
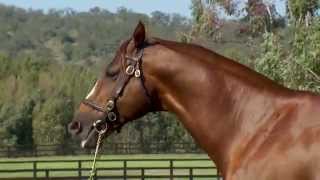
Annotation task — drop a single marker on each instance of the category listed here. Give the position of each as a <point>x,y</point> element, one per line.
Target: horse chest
<point>297,164</point>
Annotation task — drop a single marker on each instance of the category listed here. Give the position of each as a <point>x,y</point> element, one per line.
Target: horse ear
<point>139,35</point>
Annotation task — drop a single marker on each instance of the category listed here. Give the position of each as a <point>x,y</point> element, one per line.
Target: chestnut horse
<point>251,127</point>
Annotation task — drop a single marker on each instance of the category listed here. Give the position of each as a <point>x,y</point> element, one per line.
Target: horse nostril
<point>75,127</point>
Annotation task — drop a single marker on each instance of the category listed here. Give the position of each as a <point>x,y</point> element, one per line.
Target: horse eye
<point>112,75</point>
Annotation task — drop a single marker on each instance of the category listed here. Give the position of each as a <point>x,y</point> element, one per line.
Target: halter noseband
<point>112,114</point>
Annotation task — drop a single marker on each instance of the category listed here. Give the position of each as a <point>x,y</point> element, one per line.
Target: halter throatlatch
<point>133,68</point>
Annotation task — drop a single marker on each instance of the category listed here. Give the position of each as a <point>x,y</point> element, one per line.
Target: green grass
<point>110,164</point>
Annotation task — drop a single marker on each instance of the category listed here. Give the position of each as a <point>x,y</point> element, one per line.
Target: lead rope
<point>93,169</point>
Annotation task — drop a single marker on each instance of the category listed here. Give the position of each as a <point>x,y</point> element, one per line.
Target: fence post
<point>95,177</point>
<point>171,169</point>
<point>79,169</point>
<point>191,173</point>
<point>116,148</point>
<point>142,173</point>
<point>125,169</point>
<point>47,173</point>
<point>8,151</point>
<point>34,169</point>
<point>35,150</point>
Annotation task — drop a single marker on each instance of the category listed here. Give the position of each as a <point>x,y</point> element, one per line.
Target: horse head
<point>121,93</point>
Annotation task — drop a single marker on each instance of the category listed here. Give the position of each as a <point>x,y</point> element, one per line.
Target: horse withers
<point>251,127</point>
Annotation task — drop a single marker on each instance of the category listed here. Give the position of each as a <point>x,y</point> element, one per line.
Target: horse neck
<point>212,105</point>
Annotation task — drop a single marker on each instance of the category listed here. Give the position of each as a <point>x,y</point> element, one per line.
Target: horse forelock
<point>119,56</point>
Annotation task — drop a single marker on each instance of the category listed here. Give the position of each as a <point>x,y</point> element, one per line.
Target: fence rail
<point>110,169</point>
<point>108,148</point>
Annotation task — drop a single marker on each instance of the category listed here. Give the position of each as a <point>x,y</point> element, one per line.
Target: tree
<point>7,122</point>
<point>160,17</point>
<point>205,17</point>
<point>294,62</point>
<point>68,50</point>
<point>260,14</point>
<point>302,11</point>
<point>50,120</point>
<point>270,61</point>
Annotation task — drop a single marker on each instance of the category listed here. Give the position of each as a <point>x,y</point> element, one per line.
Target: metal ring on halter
<point>137,73</point>
<point>101,131</point>
<point>112,116</point>
<point>110,105</point>
<point>130,70</point>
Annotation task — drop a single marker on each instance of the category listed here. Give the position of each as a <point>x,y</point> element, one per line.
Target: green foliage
<point>50,120</point>
<point>7,122</point>
<point>271,62</point>
<point>205,19</point>
<point>257,16</point>
<point>299,9</point>
<point>161,128</point>
<point>37,99</point>
<point>298,65</point>
<point>49,62</point>
<point>230,7</point>
<point>23,128</point>
<point>305,54</point>
<point>16,121</point>
<point>66,35</point>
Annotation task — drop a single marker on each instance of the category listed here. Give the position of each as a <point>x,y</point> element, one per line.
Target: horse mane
<point>234,68</point>
<point>179,46</point>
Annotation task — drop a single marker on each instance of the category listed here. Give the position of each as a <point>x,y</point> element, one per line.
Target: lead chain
<point>93,169</point>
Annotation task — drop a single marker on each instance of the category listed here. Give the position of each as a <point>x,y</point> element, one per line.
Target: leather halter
<point>133,68</point>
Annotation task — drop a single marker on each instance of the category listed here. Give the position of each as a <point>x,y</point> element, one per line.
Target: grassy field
<point>156,162</point>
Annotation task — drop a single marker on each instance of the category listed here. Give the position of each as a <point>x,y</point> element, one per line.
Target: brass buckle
<point>137,73</point>
<point>110,105</point>
<point>130,70</point>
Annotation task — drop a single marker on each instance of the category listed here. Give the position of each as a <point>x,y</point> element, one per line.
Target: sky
<point>143,6</point>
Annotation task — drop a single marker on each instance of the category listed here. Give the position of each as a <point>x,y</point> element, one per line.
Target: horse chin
<point>90,141</point>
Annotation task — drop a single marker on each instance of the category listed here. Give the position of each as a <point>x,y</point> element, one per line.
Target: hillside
<point>67,35</point>
<point>50,60</point>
